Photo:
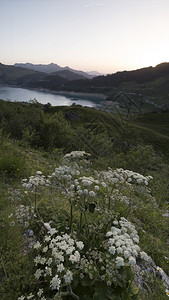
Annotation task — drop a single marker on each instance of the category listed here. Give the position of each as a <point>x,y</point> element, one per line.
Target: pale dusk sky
<point>101,35</point>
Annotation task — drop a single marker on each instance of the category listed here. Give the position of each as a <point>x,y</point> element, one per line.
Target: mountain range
<point>53,68</point>
<point>149,81</point>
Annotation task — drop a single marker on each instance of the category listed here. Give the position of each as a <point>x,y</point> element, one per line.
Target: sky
<point>90,35</point>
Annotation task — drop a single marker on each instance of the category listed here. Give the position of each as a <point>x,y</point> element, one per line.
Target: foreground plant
<point>57,261</point>
<point>103,264</point>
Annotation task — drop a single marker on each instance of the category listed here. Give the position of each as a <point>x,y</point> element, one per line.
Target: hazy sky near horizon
<point>102,35</point>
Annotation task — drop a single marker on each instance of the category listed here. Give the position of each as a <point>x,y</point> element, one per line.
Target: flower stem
<point>81,214</point>
<point>71,216</point>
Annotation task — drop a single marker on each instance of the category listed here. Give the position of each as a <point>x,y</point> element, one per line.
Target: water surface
<point>25,95</point>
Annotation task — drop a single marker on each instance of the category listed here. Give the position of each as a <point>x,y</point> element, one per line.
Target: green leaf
<point>92,207</point>
<point>100,293</point>
<point>134,289</point>
<point>85,281</point>
<point>119,282</point>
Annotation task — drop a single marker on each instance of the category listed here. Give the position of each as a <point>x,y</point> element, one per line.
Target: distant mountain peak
<point>52,68</point>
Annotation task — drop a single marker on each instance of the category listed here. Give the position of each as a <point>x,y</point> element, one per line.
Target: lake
<point>24,95</point>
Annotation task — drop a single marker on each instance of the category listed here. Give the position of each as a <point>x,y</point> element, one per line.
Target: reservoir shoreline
<point>55,98</point>
<point>67,93</point>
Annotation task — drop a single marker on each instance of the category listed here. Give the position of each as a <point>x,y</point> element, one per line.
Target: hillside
<point>84,204</point>
<point>149,85</point>
<point>69,75</point>
<point>83,123</point>
<point>11,75</point>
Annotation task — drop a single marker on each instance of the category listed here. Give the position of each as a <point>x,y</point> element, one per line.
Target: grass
<point>18,160</point>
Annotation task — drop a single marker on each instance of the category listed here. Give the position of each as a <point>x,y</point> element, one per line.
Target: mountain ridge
<point>52,68</point>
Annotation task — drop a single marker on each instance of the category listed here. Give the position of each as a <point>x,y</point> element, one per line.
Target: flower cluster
<point>65,172</point>
<point>76,155</point>
<point>15,195</point>
<point>58,257</point>
<point>35,181</point>
<point>24,214</point>
<point>133,177</point>
<point>97,264</point>
<point>123,240</point>
<point>87,186</point>
<point>121,175</point>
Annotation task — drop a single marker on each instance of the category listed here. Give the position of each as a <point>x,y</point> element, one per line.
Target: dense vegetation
<point>35,141</point>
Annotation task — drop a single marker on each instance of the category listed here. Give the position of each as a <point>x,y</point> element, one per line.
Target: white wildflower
<point>103,184</point>
<point>112,250</point>
<point>160,270</point>
<point>70,250</point>
<point>40,292</point>
<point>129,179</point>
<point>30,296</point>
<point>52,231</point>
<point>38,273</point>
<point>37,245</point>
<point>92,194</point>
<point>49,261</point>
<point>55,283</point>
<point>132,261</point>
<point>47,238</point>
<point>39,173</point>
<point>80,245</point>
<point>85,191</point>
<point>45,249</point>
<point>144,256</point>
<point>48,271</point>
<point>79,192</point>
<point>119,261</point>
<point>109,233</point>
<point>68,277</point>
<point>60,268</point>
<point>126,254</point>
<point>74,257</point>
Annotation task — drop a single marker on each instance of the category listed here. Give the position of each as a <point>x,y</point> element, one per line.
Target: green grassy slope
<point>154,129</point>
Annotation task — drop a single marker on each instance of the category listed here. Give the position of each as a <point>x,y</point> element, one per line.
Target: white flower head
<point>112,250</point>
<point>80,245</point>
<point>37,245</point>
<point>55,283</point>
<point>38,273</point>
<point>144,256</point>
<point>39,173</point>
<point>132,261</point>
<point>96,187</point>
<point>119,261</point>
<point>68,277</point>
<point>92,194</point>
